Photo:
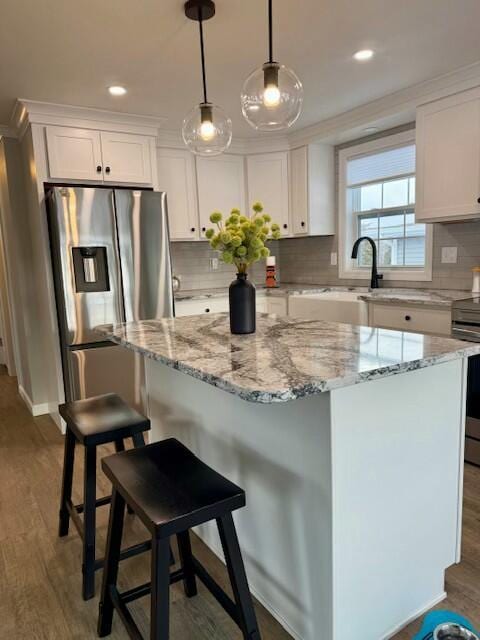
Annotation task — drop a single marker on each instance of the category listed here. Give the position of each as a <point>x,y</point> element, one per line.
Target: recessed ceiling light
<point>363,55</point>
<point>117,90</point>
<point>370,130</point>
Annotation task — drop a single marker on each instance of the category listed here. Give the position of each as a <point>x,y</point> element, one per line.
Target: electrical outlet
<point>449,255</point>
<point>333,259</point>
<point>213,264</point>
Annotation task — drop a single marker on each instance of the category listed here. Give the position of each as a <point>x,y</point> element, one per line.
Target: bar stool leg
<point>160,601</point>
<point>112,559</point>
<point>138,440</point>
<point>119,447</point>
<point>68,460</point>
<point>88,568</point>
<point>185,552</point>
<point>238,577</point>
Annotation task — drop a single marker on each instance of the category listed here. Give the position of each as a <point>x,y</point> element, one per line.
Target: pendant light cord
<point>270,32</point>
<point>202,51</point>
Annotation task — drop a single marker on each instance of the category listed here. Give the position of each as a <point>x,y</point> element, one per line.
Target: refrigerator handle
<point>119,300</point>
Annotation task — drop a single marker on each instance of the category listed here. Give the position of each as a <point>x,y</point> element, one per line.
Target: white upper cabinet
<point>86,154</point>
<point>221,186</point>
<point>176,176</point>
<point>268,183</point>
<point>448,158</point>
<point>312,190</point>
<point>74,153</point>
<point>126,158</point>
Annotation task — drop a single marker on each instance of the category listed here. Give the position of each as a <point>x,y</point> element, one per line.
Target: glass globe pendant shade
<point>272,97</point>
<point>207,130</point>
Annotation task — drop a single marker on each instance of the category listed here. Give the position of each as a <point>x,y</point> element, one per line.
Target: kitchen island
<point>349,443</point>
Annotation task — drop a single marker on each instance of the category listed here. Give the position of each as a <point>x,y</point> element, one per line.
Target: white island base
<point>354,496</point>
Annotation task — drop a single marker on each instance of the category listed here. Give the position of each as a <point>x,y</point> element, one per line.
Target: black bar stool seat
<point>93,422</point>
<point>102,419</point>
<point>171,491</point>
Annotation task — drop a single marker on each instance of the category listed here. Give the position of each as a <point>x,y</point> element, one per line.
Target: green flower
<point>276,235</point>
<point>265,252</point>
<point>263,237</point>
<point>209,233</point>
<point>265,230</point>
<point>241,251</point>
<point>236,241</point>
<point>266,217</point>
<point>256,255</point>
<point>215,217</point>
<point>235,212</point>
<point>243,219</point>
<point>275,227</point>
<point>256,243</point>
<point>227,257</point>
<point>257,207</point>
<point>226,237</point>
<point>259,222</point>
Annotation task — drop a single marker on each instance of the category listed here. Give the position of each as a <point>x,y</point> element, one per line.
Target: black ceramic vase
<point>242,305</point>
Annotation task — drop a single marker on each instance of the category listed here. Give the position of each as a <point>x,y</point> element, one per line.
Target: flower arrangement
<point>240,239</point>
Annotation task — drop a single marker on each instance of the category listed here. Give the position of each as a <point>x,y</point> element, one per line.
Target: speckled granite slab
<point>426,297</point>
<point>286,358</point>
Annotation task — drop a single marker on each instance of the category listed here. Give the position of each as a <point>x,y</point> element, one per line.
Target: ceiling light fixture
<point>272,96</point>
<point>117,90</point>
<point>363,55</point>
<point>206,130</point>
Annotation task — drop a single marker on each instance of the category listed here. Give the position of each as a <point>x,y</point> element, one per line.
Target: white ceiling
<point>69,52</point>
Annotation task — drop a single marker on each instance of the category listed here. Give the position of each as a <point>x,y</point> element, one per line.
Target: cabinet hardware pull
<point>285,226</point>
<point>99,168</point>
<point>478,200</point>
<point>192,229</point>
<point>204,229</point>
<point>207,310</point>
<point>107,169</point>
<point>302,223</point>
<point>408,318</point>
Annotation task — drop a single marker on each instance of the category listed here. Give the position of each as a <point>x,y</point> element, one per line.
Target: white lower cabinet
<point>410,318</point>
<point>200,307</point>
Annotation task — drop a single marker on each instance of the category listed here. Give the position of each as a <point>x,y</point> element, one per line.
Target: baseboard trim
<point>416,615</point>
<point>37,409</point>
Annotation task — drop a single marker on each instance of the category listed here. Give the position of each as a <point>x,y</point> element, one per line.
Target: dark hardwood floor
<point>40,574</point>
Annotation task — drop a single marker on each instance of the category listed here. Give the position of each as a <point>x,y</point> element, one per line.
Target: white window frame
<point>347,231</point>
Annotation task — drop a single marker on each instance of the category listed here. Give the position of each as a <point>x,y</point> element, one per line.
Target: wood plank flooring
<point>40,592</point>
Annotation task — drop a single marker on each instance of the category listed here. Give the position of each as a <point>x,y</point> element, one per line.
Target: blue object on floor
<point>434,618</point>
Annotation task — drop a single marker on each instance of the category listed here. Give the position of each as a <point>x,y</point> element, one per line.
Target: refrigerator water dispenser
<point>90,269</point>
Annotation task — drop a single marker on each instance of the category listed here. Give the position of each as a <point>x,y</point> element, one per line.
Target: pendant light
<point>207,130</point>
<point>272,96</point>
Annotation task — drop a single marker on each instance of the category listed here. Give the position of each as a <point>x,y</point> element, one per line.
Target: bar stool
<point>92,422</point>
<point>171,491</point>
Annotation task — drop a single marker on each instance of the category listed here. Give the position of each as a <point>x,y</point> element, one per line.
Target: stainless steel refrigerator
<point>111,263</point>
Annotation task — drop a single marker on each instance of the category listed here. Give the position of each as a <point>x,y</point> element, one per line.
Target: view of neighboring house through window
<point>381,204</point>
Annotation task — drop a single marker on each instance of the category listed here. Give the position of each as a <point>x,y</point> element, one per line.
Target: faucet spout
<point>375,277</point>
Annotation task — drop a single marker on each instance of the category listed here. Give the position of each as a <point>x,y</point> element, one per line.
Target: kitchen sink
<point>334,306</point>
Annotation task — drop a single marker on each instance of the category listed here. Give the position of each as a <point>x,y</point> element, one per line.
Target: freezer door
<point>106,369</point>
<point>85,261</point>
<point>144,248</point>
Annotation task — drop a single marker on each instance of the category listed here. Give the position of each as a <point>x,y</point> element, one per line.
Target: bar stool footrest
<point>129,552</point>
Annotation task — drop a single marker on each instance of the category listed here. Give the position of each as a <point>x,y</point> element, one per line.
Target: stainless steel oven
<point>466,326</point>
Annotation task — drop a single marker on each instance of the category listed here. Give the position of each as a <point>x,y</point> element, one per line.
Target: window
<point>377,199</point>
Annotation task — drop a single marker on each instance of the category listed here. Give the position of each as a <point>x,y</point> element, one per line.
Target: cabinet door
<point>176,176</point>
<point>299,190</point>
<point>268,183</point>
<point>126,158</point>
<point>448,158</point>
<point>74,154</point>
<point>221,187</point>
<point>200,307</point>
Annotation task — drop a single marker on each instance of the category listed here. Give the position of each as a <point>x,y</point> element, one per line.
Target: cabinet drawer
<point>405,318</point>
<point>277,305</point>
<point>199,307</point>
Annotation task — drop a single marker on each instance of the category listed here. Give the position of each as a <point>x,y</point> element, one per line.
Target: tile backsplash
<point>191,263</point>
<point>308,259</point>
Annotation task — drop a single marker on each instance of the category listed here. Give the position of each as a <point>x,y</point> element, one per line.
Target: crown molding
<point>241,146</point>
<point>394,109</point>
<point>46,113</point>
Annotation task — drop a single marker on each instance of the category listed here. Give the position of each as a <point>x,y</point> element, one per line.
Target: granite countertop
<point>286,358</point>
<point>427,297</point>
